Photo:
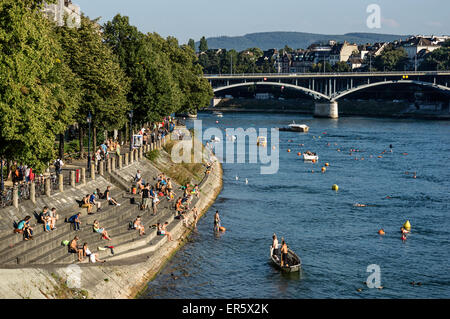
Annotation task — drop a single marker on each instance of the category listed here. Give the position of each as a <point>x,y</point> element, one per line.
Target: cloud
<point>390,22</point>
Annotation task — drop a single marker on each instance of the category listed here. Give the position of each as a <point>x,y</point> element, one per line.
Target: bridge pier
<point>327,109</point>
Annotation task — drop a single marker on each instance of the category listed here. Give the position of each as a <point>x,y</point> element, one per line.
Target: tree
<point>203,47</point>
<point>439,59</point>
<point>35,103</point>
<point>191,44</point>
<point>391,59</point>
<point>104,85</point>
<point>341,67</point>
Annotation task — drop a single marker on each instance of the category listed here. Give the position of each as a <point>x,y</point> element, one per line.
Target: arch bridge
<point>328,88</point>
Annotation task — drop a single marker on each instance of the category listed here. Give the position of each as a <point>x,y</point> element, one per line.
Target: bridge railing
<point>237,75</point>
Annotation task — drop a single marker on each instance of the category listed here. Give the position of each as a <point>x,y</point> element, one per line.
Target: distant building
<point>64,12</point>
<point>355,62</point>
<point>415,44</point>
<point>341,52</point>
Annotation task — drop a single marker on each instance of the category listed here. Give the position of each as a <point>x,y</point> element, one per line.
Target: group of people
<point>46,217</point>
<point>19,173</point>
<point>109,146</point>
<point>277,250</point>
<point>83,251</point>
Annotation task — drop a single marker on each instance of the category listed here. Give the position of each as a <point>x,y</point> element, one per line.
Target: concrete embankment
<point>134,263</point>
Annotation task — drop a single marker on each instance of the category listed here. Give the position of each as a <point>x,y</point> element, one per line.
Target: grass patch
<point>152,155</point>
<point>62,291</point>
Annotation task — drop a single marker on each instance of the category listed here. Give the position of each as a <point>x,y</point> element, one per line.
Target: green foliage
<point>35,104</point>
<point>439,59</point>
<point>104,85</point>
<point>203,46</point>
<point>341,67</point>
<point>391,59</point>
<point>164,76</point>
<point>153,155</point>
<point>319,67</point>
<point>191,44</point>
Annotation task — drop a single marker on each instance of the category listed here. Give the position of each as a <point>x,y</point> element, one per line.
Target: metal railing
<point>316,74</point>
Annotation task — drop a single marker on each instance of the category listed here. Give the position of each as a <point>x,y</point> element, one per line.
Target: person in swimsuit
<point>73,248</point>
<point>216,221</point>
<point>284,254</point>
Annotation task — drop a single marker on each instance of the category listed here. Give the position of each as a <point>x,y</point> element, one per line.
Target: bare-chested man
<point>284,253</point>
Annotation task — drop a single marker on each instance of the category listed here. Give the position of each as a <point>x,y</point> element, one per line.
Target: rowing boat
<point>294,262</point>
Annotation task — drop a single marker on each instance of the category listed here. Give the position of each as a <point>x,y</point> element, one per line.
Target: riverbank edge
<point>123,280</point>
<point>203,207</point>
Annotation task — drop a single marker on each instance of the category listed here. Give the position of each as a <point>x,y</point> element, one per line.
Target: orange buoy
<point>289,150</point>
<point>381,232</point>
<point>323,169</point>
<point>326,164</point>
<point>313,160</point>
<point>299,154</point>
<point>221,228</point>
<point>380,156</point>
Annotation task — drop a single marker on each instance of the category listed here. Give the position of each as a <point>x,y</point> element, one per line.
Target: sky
<point>186,19</point>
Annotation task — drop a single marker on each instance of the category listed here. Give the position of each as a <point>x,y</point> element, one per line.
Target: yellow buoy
<point>334,187</point>
<point>323,169</point>
<point>407,225</point>
<point>326,164</point>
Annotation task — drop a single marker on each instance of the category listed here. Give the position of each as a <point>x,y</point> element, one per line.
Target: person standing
<point>58,166</point>
<point>145,196</point>
<point>284,254</point>
<point>275,245</point>
<point>216,221</point>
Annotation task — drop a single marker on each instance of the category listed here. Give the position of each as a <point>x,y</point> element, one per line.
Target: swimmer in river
<point>216,221</point>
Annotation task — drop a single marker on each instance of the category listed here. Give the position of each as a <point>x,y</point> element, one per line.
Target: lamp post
<point>89,120</point>
<point>130,114</point>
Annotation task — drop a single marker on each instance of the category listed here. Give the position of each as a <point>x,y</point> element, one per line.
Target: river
<point>336,240</point>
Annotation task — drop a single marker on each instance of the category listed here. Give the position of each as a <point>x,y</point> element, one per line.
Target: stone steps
<point>31,254</point>
<point>40,236</point>
<point>8,238</point>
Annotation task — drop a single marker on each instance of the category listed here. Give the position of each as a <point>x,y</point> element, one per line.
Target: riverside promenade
<point>42,268</point>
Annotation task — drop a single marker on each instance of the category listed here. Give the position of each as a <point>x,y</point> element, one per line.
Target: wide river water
<point>336,240</point>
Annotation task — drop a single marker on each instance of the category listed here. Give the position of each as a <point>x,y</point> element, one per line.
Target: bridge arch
<point>292,86</point>
<point>365,86</point>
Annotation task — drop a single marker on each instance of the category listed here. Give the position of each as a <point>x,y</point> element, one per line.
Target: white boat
<point>218,114</point>
<point>307,157</point>
<point>298,127</point>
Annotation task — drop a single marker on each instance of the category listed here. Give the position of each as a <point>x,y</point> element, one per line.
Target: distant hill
<point>295,40</point>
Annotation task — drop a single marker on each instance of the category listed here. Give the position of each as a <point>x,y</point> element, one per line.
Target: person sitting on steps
<point>100,230</point>
<point>108,197</point>
<point>93,201</point>
<point>74,249</point>
<point>92,257</point>
<point>87,204</point>
<point>138,225</point>
<point>24,228</point>
<point>75,220</point>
